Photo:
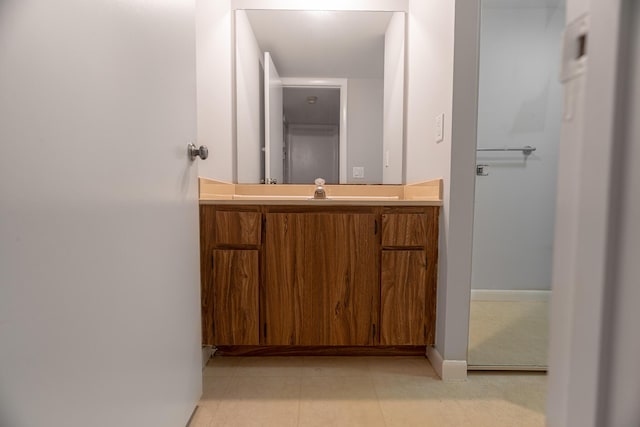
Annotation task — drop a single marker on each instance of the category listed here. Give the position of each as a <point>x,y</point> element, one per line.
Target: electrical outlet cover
<point>358,172</point>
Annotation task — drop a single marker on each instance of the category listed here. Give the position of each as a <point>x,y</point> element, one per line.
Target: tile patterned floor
<point>362,391</point>
<point>509,333</point>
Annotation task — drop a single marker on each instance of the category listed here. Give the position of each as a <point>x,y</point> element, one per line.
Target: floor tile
<point>202,417</point>
<point>527,391</point>
<point>491,412</point>
<point>268,367</point>
<point>220,367</point>
<point>417,401</point>
<point>259,401</point>
<point>403,366</point>
<point>339,401</point>
<point>413,415</point>
<point>214,390</point>
<point>329,366</point>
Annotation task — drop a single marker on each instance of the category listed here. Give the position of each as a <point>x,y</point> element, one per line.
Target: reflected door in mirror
<point>312,152</point>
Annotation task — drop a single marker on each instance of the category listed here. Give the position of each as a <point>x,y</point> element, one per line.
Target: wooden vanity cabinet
<point>318,276</point>
<point>408,275</point>
<point>230,249</point>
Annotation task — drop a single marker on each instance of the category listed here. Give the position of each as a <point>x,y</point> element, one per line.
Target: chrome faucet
<point>319,193</point>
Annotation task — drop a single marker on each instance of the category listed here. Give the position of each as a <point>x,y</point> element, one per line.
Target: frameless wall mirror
<point>319,94</point>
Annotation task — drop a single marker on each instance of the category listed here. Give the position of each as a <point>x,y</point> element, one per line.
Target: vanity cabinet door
<point>321,279</point>
<point>343,274</point>
<point>230,310</point>
<point>404,298</point>
<point>286,301</point>
<point>237,228</point>
<point>404,228</point>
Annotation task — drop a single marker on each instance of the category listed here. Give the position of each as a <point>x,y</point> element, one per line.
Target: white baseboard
<point>510,295</point>
<point>447,370</point>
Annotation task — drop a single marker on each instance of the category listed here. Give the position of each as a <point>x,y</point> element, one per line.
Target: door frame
<point>341,84</point>
<point>585,273</point>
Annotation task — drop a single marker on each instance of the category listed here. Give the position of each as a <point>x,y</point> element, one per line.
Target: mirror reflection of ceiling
<point>521,4</point>
<point>323,43</point>
<point>324,111</point>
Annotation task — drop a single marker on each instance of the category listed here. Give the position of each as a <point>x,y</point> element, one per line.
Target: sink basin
<point>296,197</point>
<point>268,197</point>
<point>365,197</point>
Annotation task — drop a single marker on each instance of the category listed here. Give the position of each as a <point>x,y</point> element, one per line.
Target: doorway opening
<point>311,137</point>
<point>519,124</point>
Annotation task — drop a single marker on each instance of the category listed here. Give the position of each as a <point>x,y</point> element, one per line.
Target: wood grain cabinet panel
<point>343,276</point>
<point>237,228</point>
<point>230,308</point>
<point>404,229</point>
<point>322,279</point>
<point>286,301</point>
<point>403,298</point>
<point>432,272</point>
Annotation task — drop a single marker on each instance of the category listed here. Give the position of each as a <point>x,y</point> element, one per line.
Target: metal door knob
<point>194,152</point>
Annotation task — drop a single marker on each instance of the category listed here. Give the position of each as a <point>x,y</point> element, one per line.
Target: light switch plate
<point>440,127</point>
<point>358,172</point>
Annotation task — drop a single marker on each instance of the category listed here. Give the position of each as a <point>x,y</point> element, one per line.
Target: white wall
<point>429,93</point>
<point>463,154</point>
<point>364,139</point>
<point>520,103</point>
<point>621,386</point>
<point>393,115</point>
<point>248,97</point>
<point>429,89</point>
<point>214,71</point>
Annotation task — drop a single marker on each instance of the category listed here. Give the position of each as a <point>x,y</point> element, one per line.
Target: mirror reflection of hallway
<point>311,135</point>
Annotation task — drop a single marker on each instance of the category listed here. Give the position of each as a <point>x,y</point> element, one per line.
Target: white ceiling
<point>330,44</point>
<point>326,110</point>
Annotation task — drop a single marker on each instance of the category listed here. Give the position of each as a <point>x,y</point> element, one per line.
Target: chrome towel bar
<point>526,150</point>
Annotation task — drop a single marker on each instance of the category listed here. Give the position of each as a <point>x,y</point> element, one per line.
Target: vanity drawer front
<point>404,229</point>
<point>237,228</point>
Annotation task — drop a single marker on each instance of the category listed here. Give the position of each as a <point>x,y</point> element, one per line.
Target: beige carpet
<point>509,333</point>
